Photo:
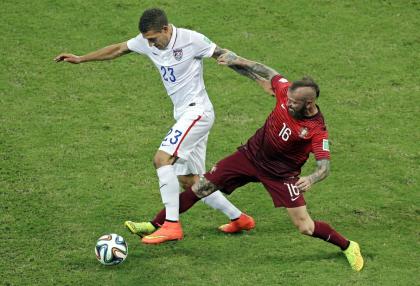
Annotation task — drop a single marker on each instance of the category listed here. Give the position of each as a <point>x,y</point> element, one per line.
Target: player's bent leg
<point>169,190</point>
<point>168,184</point>
<point>301,219</point>
<point>204,188</point>
<point>186,200</point>
<point>187,181</point>
<point>324,231</point>
<point>217,201</point>
<point>161,161</point>
<point>162,158</point>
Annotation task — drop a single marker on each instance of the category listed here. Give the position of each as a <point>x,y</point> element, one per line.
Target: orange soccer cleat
<point>168,231</point>
<point>244,222</point>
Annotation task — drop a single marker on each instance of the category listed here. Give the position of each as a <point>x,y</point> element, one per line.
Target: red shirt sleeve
<point>320,145</point>
<point>280,86</point>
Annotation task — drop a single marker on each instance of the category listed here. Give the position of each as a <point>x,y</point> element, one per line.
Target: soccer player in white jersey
<point>177,54</point>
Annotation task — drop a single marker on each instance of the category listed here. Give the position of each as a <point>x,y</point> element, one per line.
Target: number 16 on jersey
<point>285,132</point>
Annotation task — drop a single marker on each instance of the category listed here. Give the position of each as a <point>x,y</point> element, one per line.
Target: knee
<point>187,181</point>
<point>162,159</point>
<point>305,226</point>
<point>185,184</point>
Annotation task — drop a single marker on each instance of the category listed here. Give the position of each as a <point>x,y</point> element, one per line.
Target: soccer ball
<point>111,249</point>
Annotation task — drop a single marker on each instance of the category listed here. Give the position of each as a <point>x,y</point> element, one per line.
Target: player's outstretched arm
<point>241,70</point>
<point>321,172</point>
<point>231,59</point>
<point>107,53</point>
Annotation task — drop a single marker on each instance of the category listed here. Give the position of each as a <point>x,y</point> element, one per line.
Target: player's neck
<point>171,29</point>
<point>311,111</point>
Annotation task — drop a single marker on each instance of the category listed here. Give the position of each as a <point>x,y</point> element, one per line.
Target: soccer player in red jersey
<point>275,154</point>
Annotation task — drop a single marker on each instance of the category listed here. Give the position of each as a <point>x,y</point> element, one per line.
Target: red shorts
<point>237,170</point>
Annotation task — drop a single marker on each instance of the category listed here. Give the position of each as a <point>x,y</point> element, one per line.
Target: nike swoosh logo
<point>154,53</point>
<point>294,199</point>
<point>163,186</point>
<point>282,106</point>
<point>155,236</point>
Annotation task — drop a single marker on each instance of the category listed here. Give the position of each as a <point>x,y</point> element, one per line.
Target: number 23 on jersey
<point>172,137</point>
<point>168,74</point>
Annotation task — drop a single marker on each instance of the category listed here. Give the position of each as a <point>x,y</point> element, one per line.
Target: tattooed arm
<point>321,172</point>
<point>260,73</point>
<point>258,69</point>
<point>203,188</point>
<point>241,70</point>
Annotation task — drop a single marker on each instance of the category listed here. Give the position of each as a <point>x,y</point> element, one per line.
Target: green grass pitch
<point>77,142</point>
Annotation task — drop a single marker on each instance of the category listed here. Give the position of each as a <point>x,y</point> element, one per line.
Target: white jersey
<point>180,66</point>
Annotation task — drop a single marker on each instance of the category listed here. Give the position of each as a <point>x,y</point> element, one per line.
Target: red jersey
<point>282,145</point>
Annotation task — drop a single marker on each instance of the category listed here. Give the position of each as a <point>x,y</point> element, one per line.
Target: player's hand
<point>229,58</point>
<point>304,184</point>
<point>70,58</point>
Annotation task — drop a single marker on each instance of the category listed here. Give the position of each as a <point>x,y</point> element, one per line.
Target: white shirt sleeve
<point>137,44</point>
<point>202,46</point>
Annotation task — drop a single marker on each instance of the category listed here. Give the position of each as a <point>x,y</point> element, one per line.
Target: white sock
<point>169,191</point>
<point>219,202</point>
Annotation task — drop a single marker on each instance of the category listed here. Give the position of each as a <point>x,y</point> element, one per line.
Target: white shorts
<point>187,140</point>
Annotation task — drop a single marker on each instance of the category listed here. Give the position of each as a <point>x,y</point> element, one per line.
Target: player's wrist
<point>311,180</point>
<point>231,58</point>
<point>81,59</point>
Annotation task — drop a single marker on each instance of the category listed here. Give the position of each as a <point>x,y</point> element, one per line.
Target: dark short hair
<point>306,81</point>
<point>152,20</point>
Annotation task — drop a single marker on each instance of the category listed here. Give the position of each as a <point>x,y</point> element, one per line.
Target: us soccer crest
<point>177,54</point>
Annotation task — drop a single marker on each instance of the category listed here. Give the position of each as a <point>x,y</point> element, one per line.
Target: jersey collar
<point>315,115</point>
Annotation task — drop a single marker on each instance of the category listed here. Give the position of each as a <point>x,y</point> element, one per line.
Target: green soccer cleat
<point>140,228</point>
<point>354,256</point>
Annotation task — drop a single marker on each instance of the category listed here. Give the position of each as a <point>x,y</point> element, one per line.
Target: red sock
<point>186,200</point>
<point>325,232</point>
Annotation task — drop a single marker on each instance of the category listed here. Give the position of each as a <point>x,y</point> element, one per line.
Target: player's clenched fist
<point>68,58</point>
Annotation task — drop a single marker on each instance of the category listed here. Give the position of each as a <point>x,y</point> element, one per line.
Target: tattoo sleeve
<point>204,188</point>
<point>245,67</point>
<point>239,69</point>
<point>218,52</point>
<point>261,70</point>
<point>245,72</point>
<point>322,171</point>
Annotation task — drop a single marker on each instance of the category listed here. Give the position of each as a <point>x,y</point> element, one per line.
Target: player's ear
<point>165,29</point>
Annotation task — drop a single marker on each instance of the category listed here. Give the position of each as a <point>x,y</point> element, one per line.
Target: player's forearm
<point>256,68</point>
<point>106,53</point>
<point>322,171</point>
<point>240,70</point>
<point>245,72</point>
